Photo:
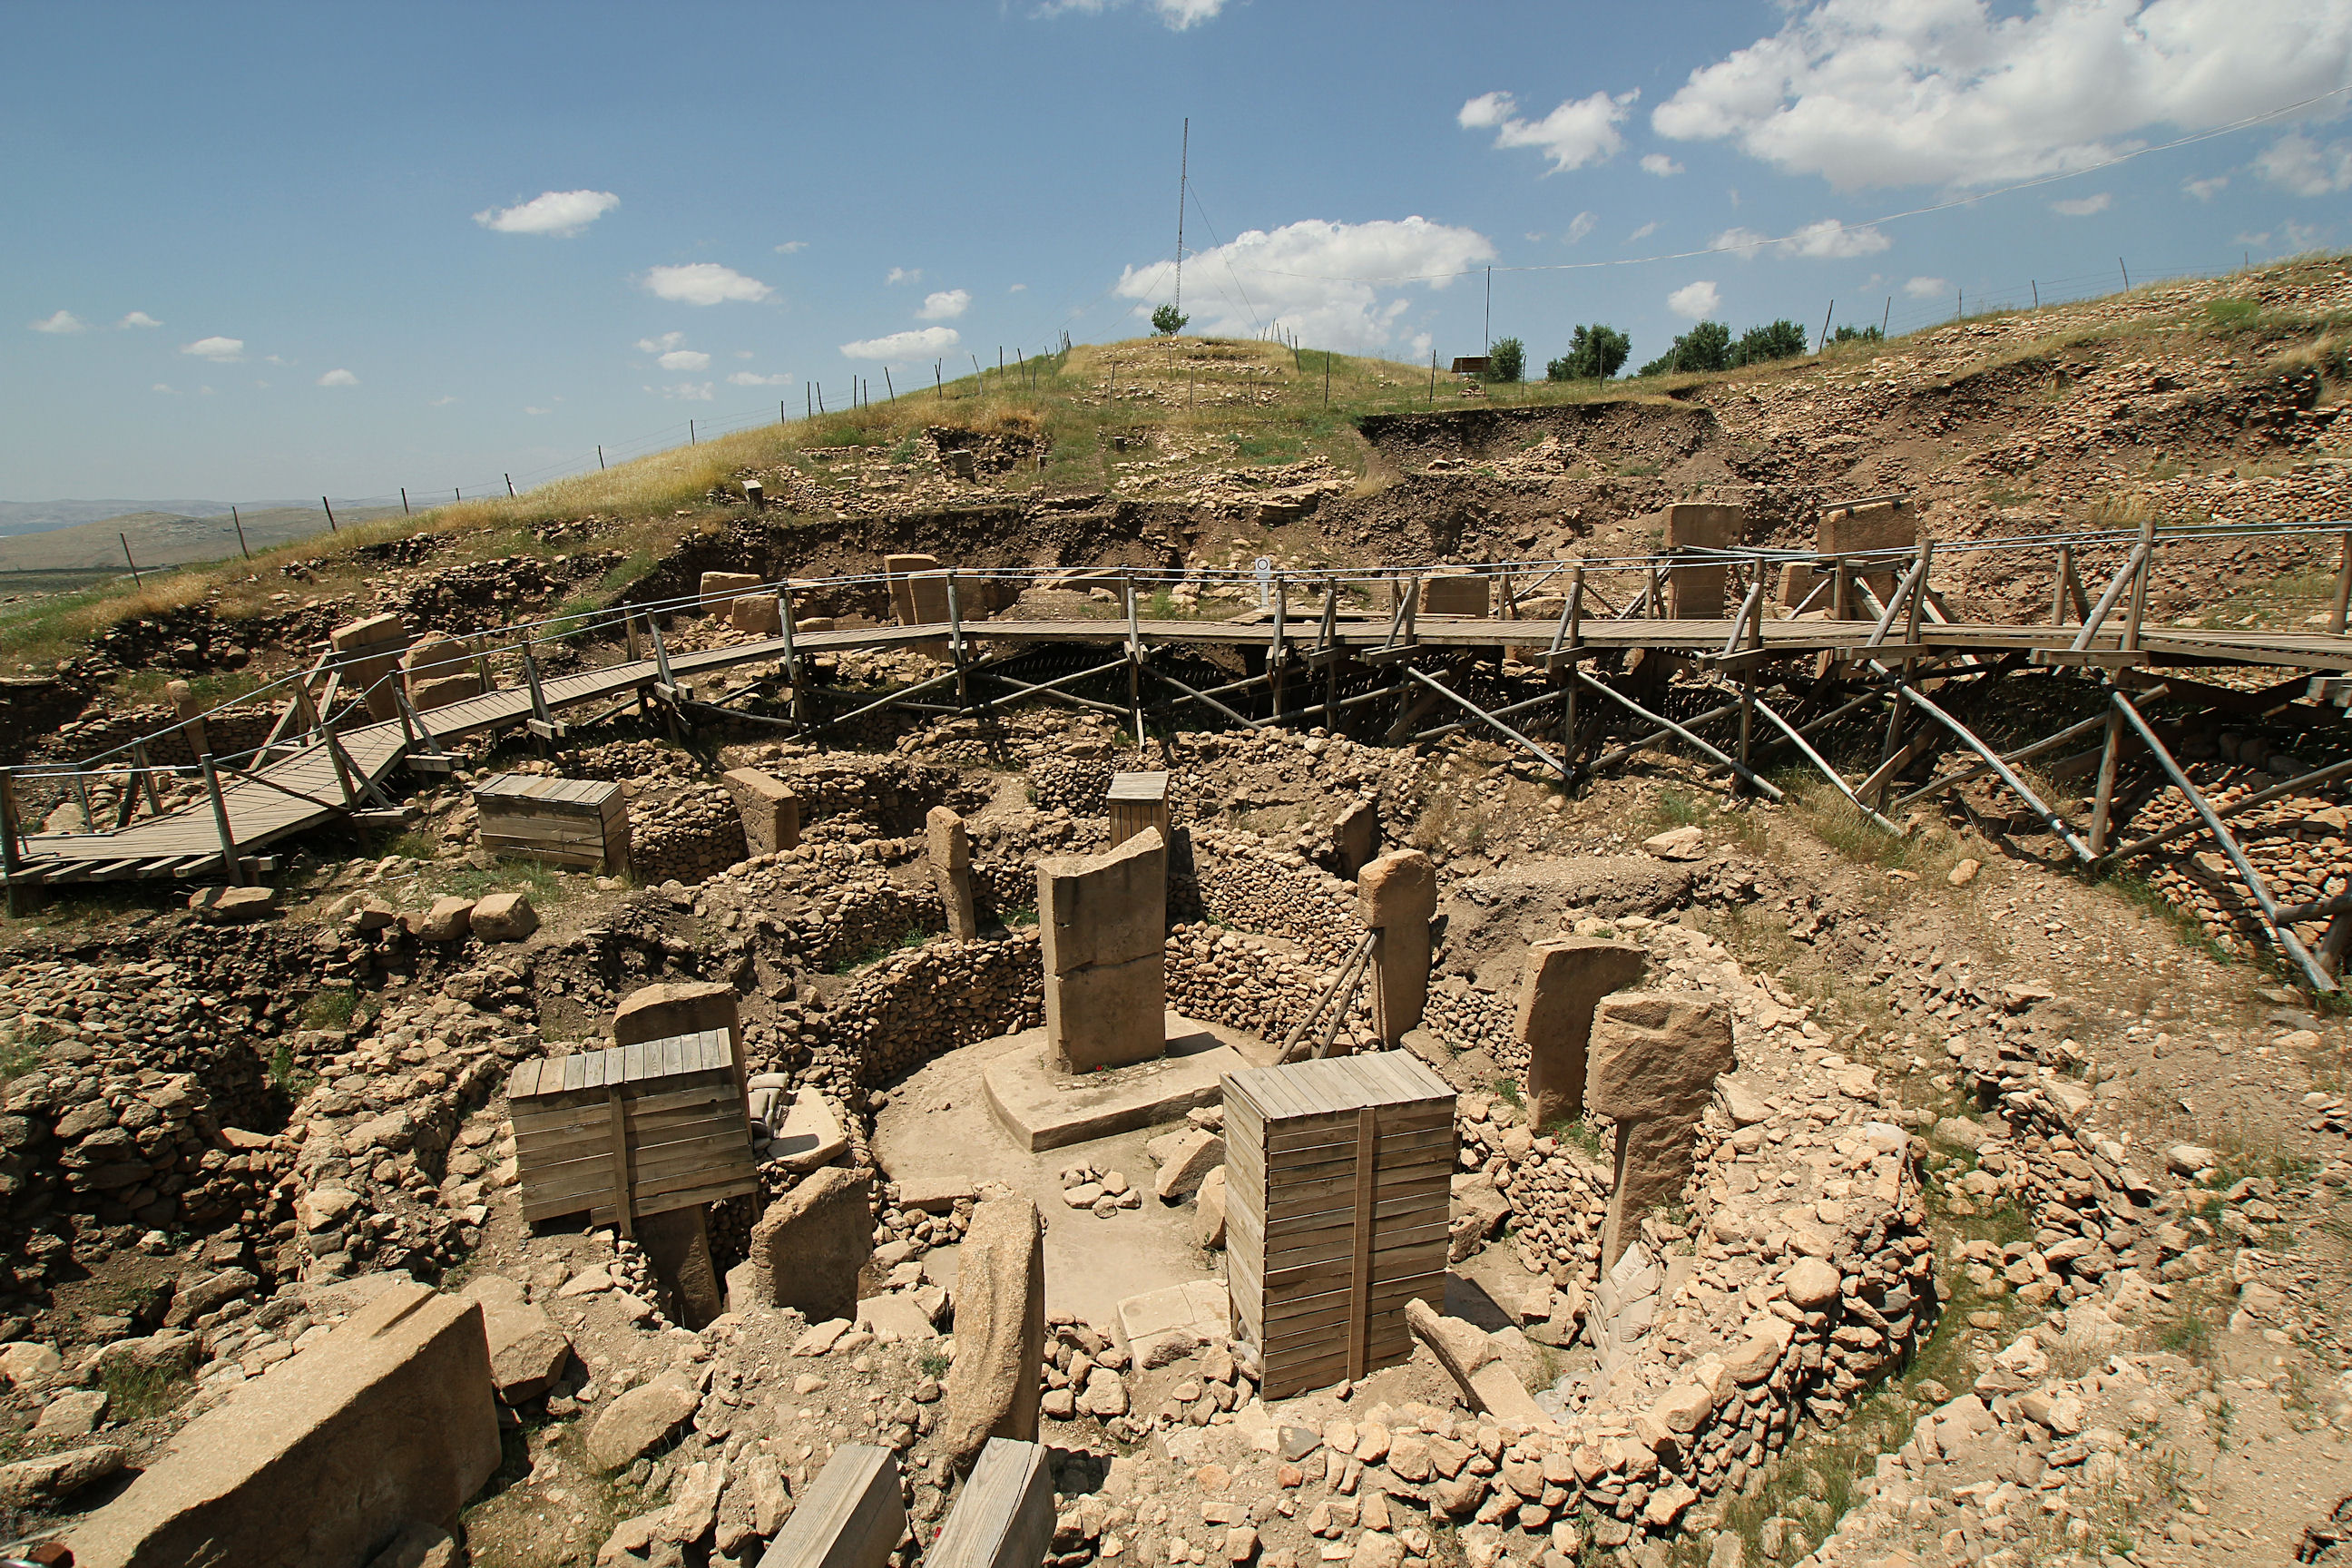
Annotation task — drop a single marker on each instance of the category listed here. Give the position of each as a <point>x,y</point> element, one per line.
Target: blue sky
<point>262,251</point>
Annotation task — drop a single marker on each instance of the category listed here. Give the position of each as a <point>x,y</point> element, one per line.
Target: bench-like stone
<point>325,1458</point>
<point>770,807</point>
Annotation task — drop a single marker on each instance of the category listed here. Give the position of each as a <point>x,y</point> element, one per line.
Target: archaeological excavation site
<point>1174,959</point>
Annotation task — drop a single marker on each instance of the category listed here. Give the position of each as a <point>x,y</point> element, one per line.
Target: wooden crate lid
<point>1138,786</point>
<point>615,1066</point>
<point>1335,1085</point>
<point>534,788</point>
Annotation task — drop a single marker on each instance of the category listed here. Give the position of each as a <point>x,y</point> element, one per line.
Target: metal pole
<point>1827,771</point>
<point>2311,780</point>
<point>2050,818</point>
<point>1763,783</point>
<point>2318,977</point>
<point>1492,722</point>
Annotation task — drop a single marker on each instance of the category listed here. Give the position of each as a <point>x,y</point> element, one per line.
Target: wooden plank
<point>1004,1516</point>
<point>523,1082</point>
<point>1361,1287</point>
<point>1286,1138</point>
<point>1303,1207</point>
<point>575,1071</point>
<point>624,1187</point>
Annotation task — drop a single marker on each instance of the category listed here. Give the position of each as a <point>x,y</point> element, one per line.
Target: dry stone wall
<point>689,837</point>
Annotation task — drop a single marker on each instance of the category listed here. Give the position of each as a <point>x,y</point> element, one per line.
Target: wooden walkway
<point>298,791</point>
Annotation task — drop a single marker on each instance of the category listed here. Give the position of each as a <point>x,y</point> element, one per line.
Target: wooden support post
<point>147,776</point>
<point>81,793</point>
<point>1278,654</point>
<point>2343,583</point>
<point>12,865</point>
<point>955,641</point>
<point>343,773</point>
<point>1360,1272</point>
<point>2058,576</point>
<point>1842,590</point>
<point>668,685</point>
<point>624,1190</point>
<point>2139,587</point>
<point>1134,656</point>
<point>1327,645</point>
<point>2102,799</point>
<point>229,861</point>
<point>792,706</point>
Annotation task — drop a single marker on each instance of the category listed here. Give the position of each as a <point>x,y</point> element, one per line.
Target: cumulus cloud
<point>1579,225</point>
<point>1342,284</point>
<point>1018,288</point>
<point>1890,92</point>
<point>62,321</point>
<point>661,344</point>
<point>441,402</point>
<point>1658,163</point>
<point>2297,163</point>
<point>338,378</point>
<point>791,248</point>
<point>754,378</point>
<point>683,392</point>
<point>1694,300</point>
<point>1580,131</point>
<point>139,319</point>
<point>1827,240</point>
<point>904,275</point>
<point>684,359</point>
<point>1175,15</point>
<point>164,387</point>
<point>220,351</point>
<point>703,283</point>
<point>2084,206</point>
<point>904,347</point>
<point>1928,287</point>
<point>2207,189</point>
<point>944,306</point>
<point>560,214</point>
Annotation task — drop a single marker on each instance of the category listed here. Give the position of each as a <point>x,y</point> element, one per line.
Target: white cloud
<point>1892,92</point>
<point>754,378</point>
<point>1658,163</point>
<point>1827,240</point>
<point>791,248</point>
<point>703,283</point>
<point>220,351</point>
<point>905,347</point>
<point>683,392</point>
<point>1928,287</point>
<point>1579,225</point>
<point>139,319</point>
<point>1421,343</point>
<point>1694,300</point>
<point>338,378</point>
<point>944,306</point>
<point>2205,190</point>
<point>559,213</point>
<point>1176,15</point>
<point>528,408</point>
<point>661,344</point>
<point>2297,163</point>
<point>1645,232</point>
<point>2084,206</point>
<point>684,359</point>
<point>273,359</point>
<point>63,321</point>
<point>441,402</point>
<point>1340,285</point>
<point>1579,132</point>
<point>1018,288</point>
<point>164,387</point>
<point>904,275</point>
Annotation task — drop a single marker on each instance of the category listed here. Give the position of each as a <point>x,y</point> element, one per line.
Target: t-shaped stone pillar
<point>1559,986</point>
<point>949,849</point>
<point>1695,591</point>
<point>1653,1063</point>
<point>1104,918</point>
<point>1395,897</point>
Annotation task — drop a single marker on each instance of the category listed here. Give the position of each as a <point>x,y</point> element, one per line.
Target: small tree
<point>1595,353</point>
<point>1759,345</point>
<point>1507,360</point>
<point>1857,336</point>
<point>1167,322</point>
<point>1707,346</point>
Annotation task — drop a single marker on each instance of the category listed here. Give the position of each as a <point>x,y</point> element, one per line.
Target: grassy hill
<point>1194,408</point>
<point>166,538</point>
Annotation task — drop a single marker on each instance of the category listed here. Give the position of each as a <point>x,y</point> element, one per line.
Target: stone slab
<point>1043,1108</point>
<point>391,1418</point>
<point>1177,1318</point>
<point>811,1135</point>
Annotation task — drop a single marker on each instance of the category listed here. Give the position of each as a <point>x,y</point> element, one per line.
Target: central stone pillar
<point>948,847</point>
<point>1395,897</point>
<point>1695,593</point>
<point>1103,920</point>
<point>1655,1058</point>
<point>1558,987</point>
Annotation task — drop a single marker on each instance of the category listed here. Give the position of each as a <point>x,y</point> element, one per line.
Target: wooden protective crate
<point>1134,802</point>
<point>1339,1178</point>
<point>632,1130</point>
<point>572,821</point>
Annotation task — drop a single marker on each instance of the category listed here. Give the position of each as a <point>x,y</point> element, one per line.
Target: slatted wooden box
<point>1340,1184</point>
<point>572,821</point>
<point>1134,802</point>
<point>632,1130</point>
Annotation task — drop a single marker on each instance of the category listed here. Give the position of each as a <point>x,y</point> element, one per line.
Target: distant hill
<point>164,537</point>
<point>40,515</point>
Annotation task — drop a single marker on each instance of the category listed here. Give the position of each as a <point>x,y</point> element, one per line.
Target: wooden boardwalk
<point>301,790</point>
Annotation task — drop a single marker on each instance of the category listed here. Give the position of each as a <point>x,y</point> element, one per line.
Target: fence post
<point>126,556</point>
<point>2342,584</point>
<point>330,509</point>
<point>11,867</point>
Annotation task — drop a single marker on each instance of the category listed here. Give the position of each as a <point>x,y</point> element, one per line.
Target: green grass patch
<point>330,1008</point>
<point>135,1393</point>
